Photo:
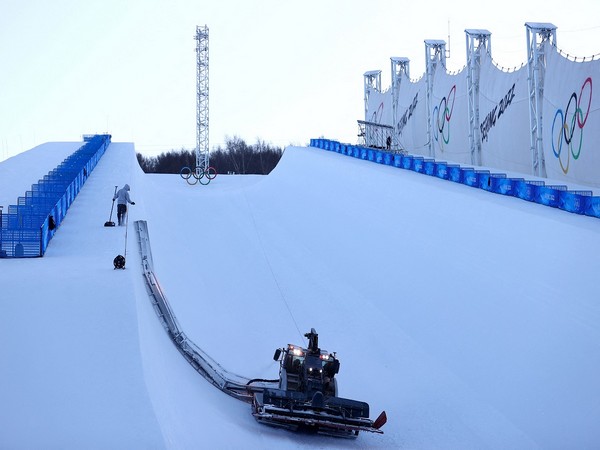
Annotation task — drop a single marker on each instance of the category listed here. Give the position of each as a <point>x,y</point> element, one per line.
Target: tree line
<point>236,157</point>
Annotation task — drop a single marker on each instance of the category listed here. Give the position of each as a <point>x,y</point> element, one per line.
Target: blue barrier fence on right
<point>557,196</point>
<point>27,227</point>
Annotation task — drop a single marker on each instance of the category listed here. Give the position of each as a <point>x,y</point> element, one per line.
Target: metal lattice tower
<point>372,81</point>
<point>539,37</point>
<point>400,68</point>
<point>478,41</point>
<point>202,150</point>
<point>435,53</point>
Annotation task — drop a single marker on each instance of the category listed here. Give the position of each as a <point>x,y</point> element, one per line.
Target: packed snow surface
<point>471,318</point>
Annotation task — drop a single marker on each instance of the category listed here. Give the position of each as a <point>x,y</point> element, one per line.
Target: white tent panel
<point>412,116</point>
<point>379,109</point>
<point>504,118</point>
<point>450,116</point>
<point>570,124</point>
<point>571,120</point>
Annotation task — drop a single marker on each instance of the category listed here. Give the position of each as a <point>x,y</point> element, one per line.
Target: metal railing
<point>27,227</point>
<point>232,384</point>
<point>375,135</point>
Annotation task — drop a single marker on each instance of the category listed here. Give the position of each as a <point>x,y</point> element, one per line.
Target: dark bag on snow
<point>119,262</point>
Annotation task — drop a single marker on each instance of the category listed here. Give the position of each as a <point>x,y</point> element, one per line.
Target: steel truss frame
<point>435,54</point>
<point>202,149</point>
<point>400,68</point>
<point>539,37</point>
<point>478,41</point>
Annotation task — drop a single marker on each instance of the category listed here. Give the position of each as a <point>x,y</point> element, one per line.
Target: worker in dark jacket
<point>122,198</point>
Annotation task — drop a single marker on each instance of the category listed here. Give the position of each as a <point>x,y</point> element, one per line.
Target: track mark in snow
<point>264,253</point>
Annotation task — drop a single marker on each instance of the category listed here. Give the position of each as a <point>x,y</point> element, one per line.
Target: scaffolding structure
<point>371,82</point>
<point>539,37</point>
<point>400,67</point>
<point>202,149</point>
<point>435,54</point>
<point>203,172</point>
<point>478,41</point>
<point>375,135</point>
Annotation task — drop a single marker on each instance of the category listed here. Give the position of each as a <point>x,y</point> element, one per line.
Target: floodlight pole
<point>478,41</point>
<point>539,37</point>
<point>371,82</point>
<point>435,54</point>
<point>400,68</point>
<point>202,149</point>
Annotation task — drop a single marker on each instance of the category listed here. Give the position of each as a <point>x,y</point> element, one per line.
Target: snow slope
<point>471,318</point>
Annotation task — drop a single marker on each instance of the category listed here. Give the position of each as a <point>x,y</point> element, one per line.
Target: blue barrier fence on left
<point>557,196</point>
<point>27,227</point>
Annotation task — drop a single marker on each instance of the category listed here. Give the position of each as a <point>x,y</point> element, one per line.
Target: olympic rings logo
<point>569,127</point>
<point>442,115</point>
<point>376,117</point>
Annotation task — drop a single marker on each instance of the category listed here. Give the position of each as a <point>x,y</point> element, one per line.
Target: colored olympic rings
<point>571,121</point>
<point>376,118</point>
<point>442,115</point>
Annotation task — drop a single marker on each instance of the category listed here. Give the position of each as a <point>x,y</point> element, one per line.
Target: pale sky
<point>280,71</point>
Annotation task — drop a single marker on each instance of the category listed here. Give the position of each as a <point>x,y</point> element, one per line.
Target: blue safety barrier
<point>469,176</point>
<point>483,180</point>
<point>440,169</point>
<point>454,173</point>
<point>397,160</point>
<point>388,158</point>
<point>578,202</point>
<point>417,164</point>
<point>500,184</point>
<point>549,195</point>
<point>527,189</point>
<point>593,208</point>
<point>29,225</point>
<point>429,167</point>
<point>575,201</point>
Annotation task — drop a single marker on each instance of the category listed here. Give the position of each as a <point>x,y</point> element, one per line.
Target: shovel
<point>110,223</point>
